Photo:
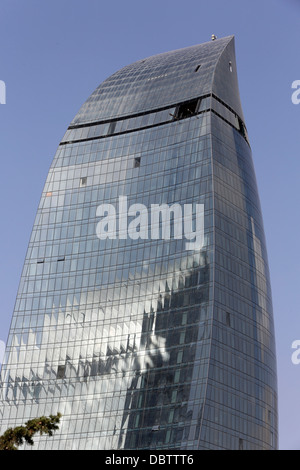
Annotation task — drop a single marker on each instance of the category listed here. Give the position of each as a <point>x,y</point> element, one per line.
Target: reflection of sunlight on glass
<point>2,351</point>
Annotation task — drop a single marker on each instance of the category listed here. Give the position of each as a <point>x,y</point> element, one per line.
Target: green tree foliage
<point>15,437</point>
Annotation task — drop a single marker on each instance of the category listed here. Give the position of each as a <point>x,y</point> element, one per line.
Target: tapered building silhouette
<point>142,336</point>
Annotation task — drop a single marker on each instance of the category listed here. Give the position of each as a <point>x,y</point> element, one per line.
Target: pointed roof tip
<point>226,40</point>
<point>214,37</point>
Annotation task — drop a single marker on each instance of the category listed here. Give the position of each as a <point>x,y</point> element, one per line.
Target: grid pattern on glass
<point>102,322</point>
<point>241,396</point>
<point>140,343</point>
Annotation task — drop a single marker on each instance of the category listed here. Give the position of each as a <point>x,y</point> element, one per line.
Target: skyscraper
<point>144,311</point>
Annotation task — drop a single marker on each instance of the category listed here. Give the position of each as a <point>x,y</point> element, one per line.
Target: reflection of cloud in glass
<point>2,351</point>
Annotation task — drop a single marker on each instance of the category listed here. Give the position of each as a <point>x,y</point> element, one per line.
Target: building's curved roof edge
<point>134,88</point>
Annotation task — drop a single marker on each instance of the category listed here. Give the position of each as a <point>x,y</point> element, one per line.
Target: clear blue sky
<point>53,54</point>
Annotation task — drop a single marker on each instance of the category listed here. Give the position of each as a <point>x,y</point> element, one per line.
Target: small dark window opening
<point>197,68</point>
<point>112,127</point>
<point>61,372</point>
<point>269,416</point>
<point>137,162</point>
<point>228,322</point>
<point>83,181</point>
<point>242,128</point>
<point>187,110</point>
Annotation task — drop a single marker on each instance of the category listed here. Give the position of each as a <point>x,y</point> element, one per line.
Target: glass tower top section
<point>144,312</point>
<point>163,79</point>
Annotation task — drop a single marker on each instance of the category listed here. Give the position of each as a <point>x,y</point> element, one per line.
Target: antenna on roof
<point>213,37</point>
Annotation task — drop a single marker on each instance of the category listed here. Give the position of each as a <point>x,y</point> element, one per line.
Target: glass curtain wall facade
<point>140,338</point>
